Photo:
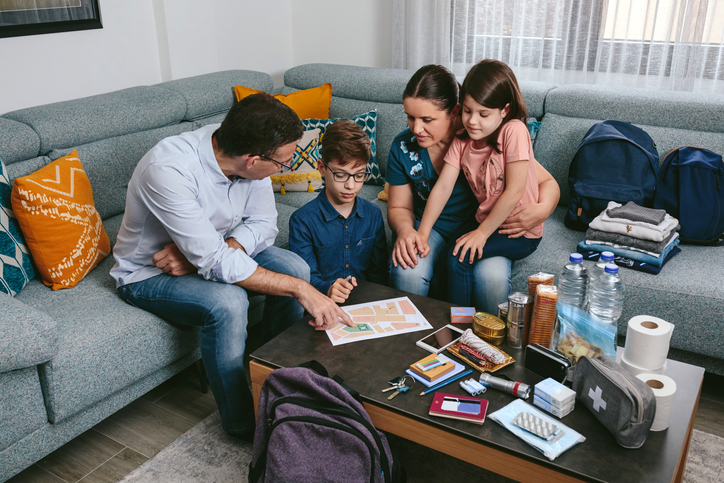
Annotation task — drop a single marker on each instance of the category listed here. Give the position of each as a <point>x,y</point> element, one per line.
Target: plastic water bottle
<point>573,282</point>
<point>597,270</point>
<point>607,292</point>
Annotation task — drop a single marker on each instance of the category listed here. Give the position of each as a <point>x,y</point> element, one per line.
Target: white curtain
<point>662,44</point>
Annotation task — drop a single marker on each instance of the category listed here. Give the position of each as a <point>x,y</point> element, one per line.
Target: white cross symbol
<point>598,401</point>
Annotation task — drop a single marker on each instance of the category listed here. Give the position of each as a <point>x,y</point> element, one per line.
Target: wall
<point>354,32</point>
<point>38,69</point>
<point>146,42</point>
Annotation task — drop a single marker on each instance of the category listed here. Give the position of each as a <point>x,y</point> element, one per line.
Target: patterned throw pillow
<point>62,228</point>
<point>304,175</point>
<point>16,267</point>
<point>368,123</point>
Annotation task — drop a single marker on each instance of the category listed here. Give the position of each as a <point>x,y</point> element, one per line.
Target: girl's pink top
<point>485,169</point>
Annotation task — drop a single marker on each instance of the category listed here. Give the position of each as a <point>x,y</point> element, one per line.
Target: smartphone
<point>439,340</point>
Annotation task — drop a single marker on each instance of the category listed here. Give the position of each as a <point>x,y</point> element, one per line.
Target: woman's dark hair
<point>492,84</point>
<point>436,84</point>
<point>258,124</point>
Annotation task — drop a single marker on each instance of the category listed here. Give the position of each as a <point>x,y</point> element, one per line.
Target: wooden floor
<point>119,444</point>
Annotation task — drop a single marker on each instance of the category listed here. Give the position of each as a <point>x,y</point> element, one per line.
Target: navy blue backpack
<point>616,161</point>
<point>691,188</point>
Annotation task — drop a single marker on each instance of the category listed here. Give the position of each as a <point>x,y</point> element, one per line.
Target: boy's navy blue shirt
<point>335,247</point>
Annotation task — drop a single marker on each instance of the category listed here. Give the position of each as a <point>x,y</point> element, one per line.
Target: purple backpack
<point>311,429</point>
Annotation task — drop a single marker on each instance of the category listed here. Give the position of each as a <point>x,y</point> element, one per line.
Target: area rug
<point>206,454</point>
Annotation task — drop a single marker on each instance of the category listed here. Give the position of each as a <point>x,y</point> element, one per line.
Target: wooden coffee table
<point>368,365</point>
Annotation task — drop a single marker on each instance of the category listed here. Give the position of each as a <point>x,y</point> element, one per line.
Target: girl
<point>495,154</point>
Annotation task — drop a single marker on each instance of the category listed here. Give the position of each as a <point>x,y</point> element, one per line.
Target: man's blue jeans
<point>463,283</point>
<point>220,310</point>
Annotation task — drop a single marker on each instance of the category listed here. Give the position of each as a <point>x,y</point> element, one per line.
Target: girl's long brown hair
<point>492,84</point>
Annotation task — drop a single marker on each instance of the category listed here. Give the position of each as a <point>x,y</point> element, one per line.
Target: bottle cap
<point>607,256</point>
<point>576,257</point>
<point>611,268</point>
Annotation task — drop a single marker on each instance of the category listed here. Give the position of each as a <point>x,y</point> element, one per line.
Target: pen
<point>447,381</point>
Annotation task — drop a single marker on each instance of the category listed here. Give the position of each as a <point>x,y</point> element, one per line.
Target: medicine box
<point>555,393</point>
<point>546,406</point>
<point>462,315</point>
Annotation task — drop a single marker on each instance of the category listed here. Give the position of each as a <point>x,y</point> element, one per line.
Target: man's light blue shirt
<point>178,194</point>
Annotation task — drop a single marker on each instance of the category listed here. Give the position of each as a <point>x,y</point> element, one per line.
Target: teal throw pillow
<point>16,266</point>
<point>533,127</point>
<point>368,122</point>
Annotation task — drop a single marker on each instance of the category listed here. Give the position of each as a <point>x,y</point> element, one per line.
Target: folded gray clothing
<point>632,211</point>
<point>629,241</point>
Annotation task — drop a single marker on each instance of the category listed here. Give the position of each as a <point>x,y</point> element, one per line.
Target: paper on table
<point>382,318</point>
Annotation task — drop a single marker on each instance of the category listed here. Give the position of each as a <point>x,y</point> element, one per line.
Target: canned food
<point>494,340</point>
<point>488,325</point>
<point>503,311</point>
<point>520,308</point>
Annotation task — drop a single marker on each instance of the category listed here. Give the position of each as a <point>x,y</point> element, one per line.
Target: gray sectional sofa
<point>70,358</point>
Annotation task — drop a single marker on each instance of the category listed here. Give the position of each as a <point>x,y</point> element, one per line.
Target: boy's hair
<point>436,84</point>
<point>492,84</point>
<point>258,124</point>
<point>345,142</point>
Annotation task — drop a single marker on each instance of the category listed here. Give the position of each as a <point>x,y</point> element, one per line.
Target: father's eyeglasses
<point>343,177</point>
<point>285,167</point>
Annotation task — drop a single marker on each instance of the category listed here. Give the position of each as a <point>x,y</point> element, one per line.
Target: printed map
<point>379,319</point>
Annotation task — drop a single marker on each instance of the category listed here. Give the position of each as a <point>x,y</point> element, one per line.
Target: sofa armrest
<point>28,337</point>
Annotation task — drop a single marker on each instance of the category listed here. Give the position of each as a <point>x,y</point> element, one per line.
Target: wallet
<point>546,363</point>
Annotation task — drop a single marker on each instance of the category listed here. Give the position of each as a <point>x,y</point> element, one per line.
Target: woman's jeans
<point>491,273</point>
<point>220,310</point>
<point>466,285</point>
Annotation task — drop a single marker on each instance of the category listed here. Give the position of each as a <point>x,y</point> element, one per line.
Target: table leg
<point>681,465</point>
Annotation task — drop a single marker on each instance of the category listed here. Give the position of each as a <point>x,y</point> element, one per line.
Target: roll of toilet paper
<point>664,390</point>
<point>636,370</point>
<point>647,341</point>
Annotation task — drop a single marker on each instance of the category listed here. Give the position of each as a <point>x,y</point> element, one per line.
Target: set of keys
<point>398,385</point>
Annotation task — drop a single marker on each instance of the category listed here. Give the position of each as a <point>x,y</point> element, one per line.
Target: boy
<point>340,236</point>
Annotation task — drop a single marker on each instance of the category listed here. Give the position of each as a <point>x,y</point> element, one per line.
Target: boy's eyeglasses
<point>343,177</point>
<point>285,167</point>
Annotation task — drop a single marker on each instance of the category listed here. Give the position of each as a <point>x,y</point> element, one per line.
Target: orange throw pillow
<point>64,232</point>
<point>308,103</point>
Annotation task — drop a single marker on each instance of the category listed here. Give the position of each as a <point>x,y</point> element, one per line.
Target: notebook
<point>464,408</point>
<point>458,369</point>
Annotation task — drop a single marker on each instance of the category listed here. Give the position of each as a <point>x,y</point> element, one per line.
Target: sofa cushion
<point>21,405</point>
<point>64,232</point>
<point>211,94</point>
<point>104,343</point>
<point>28,337</point>
<point>695,111</point>
<point>368,122</point>
<point>109,163</point>
<point>16,267</point>
<point>304,175</point>
<point>80,121</point>
<point>313,102</point>
<point>679,294</point>
<point>18,141</point>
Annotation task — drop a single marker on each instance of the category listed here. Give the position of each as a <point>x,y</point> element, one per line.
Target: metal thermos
<point>520,309</point>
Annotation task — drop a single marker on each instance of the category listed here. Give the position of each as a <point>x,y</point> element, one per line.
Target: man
<point>197,234</point>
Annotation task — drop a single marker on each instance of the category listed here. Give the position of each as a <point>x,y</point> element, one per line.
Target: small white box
<point>546,406</point>
<point>555,393</point>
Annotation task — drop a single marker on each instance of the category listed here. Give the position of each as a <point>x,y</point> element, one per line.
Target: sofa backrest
<point>672,119</point>
<point>356,90</point>
<point>113,131</point>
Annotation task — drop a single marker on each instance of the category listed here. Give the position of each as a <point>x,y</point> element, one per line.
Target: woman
<point>416,159</point>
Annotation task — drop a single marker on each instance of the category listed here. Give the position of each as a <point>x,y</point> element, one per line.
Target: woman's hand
<point>408,244</point>
<point>523,218</point>
<point>473,241</point>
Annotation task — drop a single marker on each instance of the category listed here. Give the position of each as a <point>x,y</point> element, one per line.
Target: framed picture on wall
<point>33,17</point>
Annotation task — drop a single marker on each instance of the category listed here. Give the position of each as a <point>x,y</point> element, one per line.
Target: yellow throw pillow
<point>64,232</point>
<point>307,103</point>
